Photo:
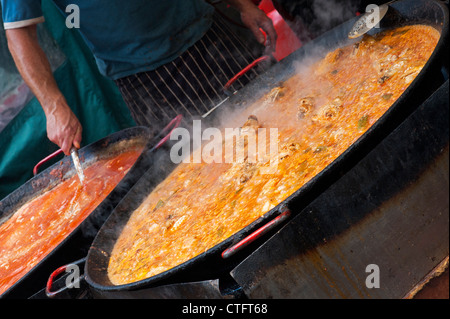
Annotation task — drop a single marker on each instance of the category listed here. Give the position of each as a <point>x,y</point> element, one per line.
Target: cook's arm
<point>255,19</point>
<point>63,127</point>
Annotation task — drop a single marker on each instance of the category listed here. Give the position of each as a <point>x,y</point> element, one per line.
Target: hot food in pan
<point>41,224</point>
<point>318,114</point>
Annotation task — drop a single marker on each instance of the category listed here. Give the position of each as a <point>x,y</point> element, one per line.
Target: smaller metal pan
<point>77,243</point>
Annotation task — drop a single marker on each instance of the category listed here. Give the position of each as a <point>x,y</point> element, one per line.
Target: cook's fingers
<point>268,28</point>
<point>77,138</point>
<point>66,145</point>
<point>257,32</point>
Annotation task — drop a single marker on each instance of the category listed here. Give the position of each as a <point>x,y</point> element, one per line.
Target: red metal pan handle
<point>56,273</point>
<point>51,156</point>
<point>48,288</point>
<point>256,234</point>
<point>172,125</point>
<point>245,70</point>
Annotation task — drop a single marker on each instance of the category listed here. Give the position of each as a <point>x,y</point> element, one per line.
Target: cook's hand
<point>255,19</point>
<point>63,127</point>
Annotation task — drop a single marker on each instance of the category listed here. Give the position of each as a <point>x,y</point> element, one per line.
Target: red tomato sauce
<point>40,225</point>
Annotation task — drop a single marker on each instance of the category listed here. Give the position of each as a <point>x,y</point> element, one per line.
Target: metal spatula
<point>77,163</point>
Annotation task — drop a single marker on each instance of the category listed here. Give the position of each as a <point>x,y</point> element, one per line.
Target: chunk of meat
<point>329,111</point>
<point>305,106</point>
<point>275,94</point>
<point>252,123</point>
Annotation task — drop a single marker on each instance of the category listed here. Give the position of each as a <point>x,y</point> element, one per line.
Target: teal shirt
<point>127,37</point>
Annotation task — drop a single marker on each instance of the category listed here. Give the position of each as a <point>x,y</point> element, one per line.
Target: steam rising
<point>311,18</point>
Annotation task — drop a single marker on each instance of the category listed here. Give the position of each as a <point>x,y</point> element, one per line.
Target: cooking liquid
<point>43,223</point>
<point>318,113</point>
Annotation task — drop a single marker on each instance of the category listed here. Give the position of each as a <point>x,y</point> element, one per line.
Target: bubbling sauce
<point>319,113</point>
